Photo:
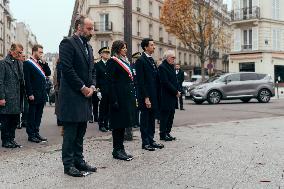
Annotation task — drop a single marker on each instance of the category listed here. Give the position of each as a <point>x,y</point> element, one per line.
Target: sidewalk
<point>242,154</point>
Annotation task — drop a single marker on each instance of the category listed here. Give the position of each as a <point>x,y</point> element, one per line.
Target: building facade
<point>25,36</point>
<point>108,16</point>
<point>258,37</point>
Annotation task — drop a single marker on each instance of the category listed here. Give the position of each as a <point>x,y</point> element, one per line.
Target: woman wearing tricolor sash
<point>122,97</point>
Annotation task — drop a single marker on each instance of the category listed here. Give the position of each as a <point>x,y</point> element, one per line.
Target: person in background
<point>180,79</point>
<point>102,84</point>
<point>122,97</point>
<point>35,73</point>
<point>169,94</point>
<point>135,56</point>
<point>11,82</point>
<point>148,87</point>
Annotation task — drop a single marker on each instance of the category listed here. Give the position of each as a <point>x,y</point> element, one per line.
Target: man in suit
<point>169,94</point>
<point>180,79</point>
<point>148,94</point>
<point>102,84</point>
<point>11,81</point>
<point>77,86</point>
<point>35,72</point>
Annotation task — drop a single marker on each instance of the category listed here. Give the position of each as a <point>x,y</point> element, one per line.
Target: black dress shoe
<point>157,145</point>
<point>128,155</point>
<point>16,144</point>
<point>85,167</point>
<point>72,171</point>
<point>170,136</point>
<point>182,109</point>
<point>8,144</point>
<point>34,139</point>
<point>148,147</point>
<point>103,129</point>
<point>41,138</point>
<point>166,138</point>
<point>121,155</point>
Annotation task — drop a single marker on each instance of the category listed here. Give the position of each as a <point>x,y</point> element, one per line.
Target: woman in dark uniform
<point>122,97</point>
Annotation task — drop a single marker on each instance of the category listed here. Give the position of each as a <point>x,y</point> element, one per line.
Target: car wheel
<point>214,97</point>
<point>198,101</point>
<point>245,100</point>
<point>264,96</point>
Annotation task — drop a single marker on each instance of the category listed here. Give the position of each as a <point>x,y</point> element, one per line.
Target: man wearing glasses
<point>11,82</point>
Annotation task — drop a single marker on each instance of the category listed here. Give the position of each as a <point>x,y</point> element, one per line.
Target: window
<point>179,57</point>
<point>189,59</point>
<point>159,12</point>
<point>104,44</point>
<point>138,27</point>
<point>276,9</point>
<point>248,76</point>
<point>104,22</point>
<point>138,47</point>
<point>247,10</point>
<point>185,58</point>
<point>160,53</point>
<point>233,77</point>
<point>150,8</point>
<point>103,1</point>
<point>247,45</point>
<point>161,34</point>
<point>276,37</point>
<point>138,4</point>
<point>150,30</point>
<point>247,67</point>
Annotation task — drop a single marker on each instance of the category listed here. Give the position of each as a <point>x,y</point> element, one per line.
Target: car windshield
<point>211,79</point>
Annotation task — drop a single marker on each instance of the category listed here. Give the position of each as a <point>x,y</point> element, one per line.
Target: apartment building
<point>25,36</point>
<point>108,16</point>
<point>258,37</point>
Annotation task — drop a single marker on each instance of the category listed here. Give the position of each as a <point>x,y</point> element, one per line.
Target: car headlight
<point>200,87</point>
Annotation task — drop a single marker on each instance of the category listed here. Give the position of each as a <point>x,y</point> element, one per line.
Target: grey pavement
<point>244,154</point>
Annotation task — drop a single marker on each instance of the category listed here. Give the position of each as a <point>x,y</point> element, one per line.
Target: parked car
<point>243,86</point>
<point>188,85</point>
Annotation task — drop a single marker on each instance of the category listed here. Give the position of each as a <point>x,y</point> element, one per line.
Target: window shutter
<point>237,39</point>
<point>277,9</point>
<point>274,39</point>
<point>255,38</point>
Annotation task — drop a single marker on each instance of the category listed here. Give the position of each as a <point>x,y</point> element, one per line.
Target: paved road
<point>244,154</point>
<point>194,114</point>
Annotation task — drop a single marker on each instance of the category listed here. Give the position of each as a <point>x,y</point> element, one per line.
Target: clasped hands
<point>88,91</point>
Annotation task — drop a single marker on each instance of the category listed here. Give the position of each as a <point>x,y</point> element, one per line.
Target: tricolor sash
<point>37,67</point>
<point>124,66</point>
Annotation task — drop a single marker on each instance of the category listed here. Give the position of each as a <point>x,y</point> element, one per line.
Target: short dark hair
<point>117,46</point>
<point>145,43</point>
<point>36,47</point>
<point>79,21</point>
<point>15,45</point>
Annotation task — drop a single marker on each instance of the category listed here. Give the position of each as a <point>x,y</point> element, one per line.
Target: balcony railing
<point>246,47</point>
<point>246,13</point>
<point>103,26</point>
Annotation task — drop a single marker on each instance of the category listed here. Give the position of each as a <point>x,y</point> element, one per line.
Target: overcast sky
<point>49,20</point>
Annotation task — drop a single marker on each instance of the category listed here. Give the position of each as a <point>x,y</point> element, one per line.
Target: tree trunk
<point>202,69</point>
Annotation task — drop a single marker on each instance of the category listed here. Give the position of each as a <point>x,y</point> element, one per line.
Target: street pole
<point>128,39</point>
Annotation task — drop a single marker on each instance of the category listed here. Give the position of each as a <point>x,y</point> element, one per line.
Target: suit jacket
<point>169,86</point>
<point>147,82</point>
<point>35,83</point>
<point>121,93</point>
<point>77,70</point>
<point>101,79</point>
<point>11,82</point>
<point>180,78</point>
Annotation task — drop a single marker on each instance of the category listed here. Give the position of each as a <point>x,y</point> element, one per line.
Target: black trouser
<point>9,124</point>
<point>166,121</point>
<point>95,102</point>
<point>180,102</point>
<point>72,147</point>
<point>104,111</point>
<point>25,113</point>
<point>34,119</point>
<point>147,127</point>
<point>118,138</point>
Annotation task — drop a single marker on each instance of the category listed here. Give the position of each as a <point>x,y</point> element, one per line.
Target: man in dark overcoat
<point>77,86</point>
<point>148,92</point>
<point>102,84</point>
<point>169,94</point>
<point>11,82</point>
